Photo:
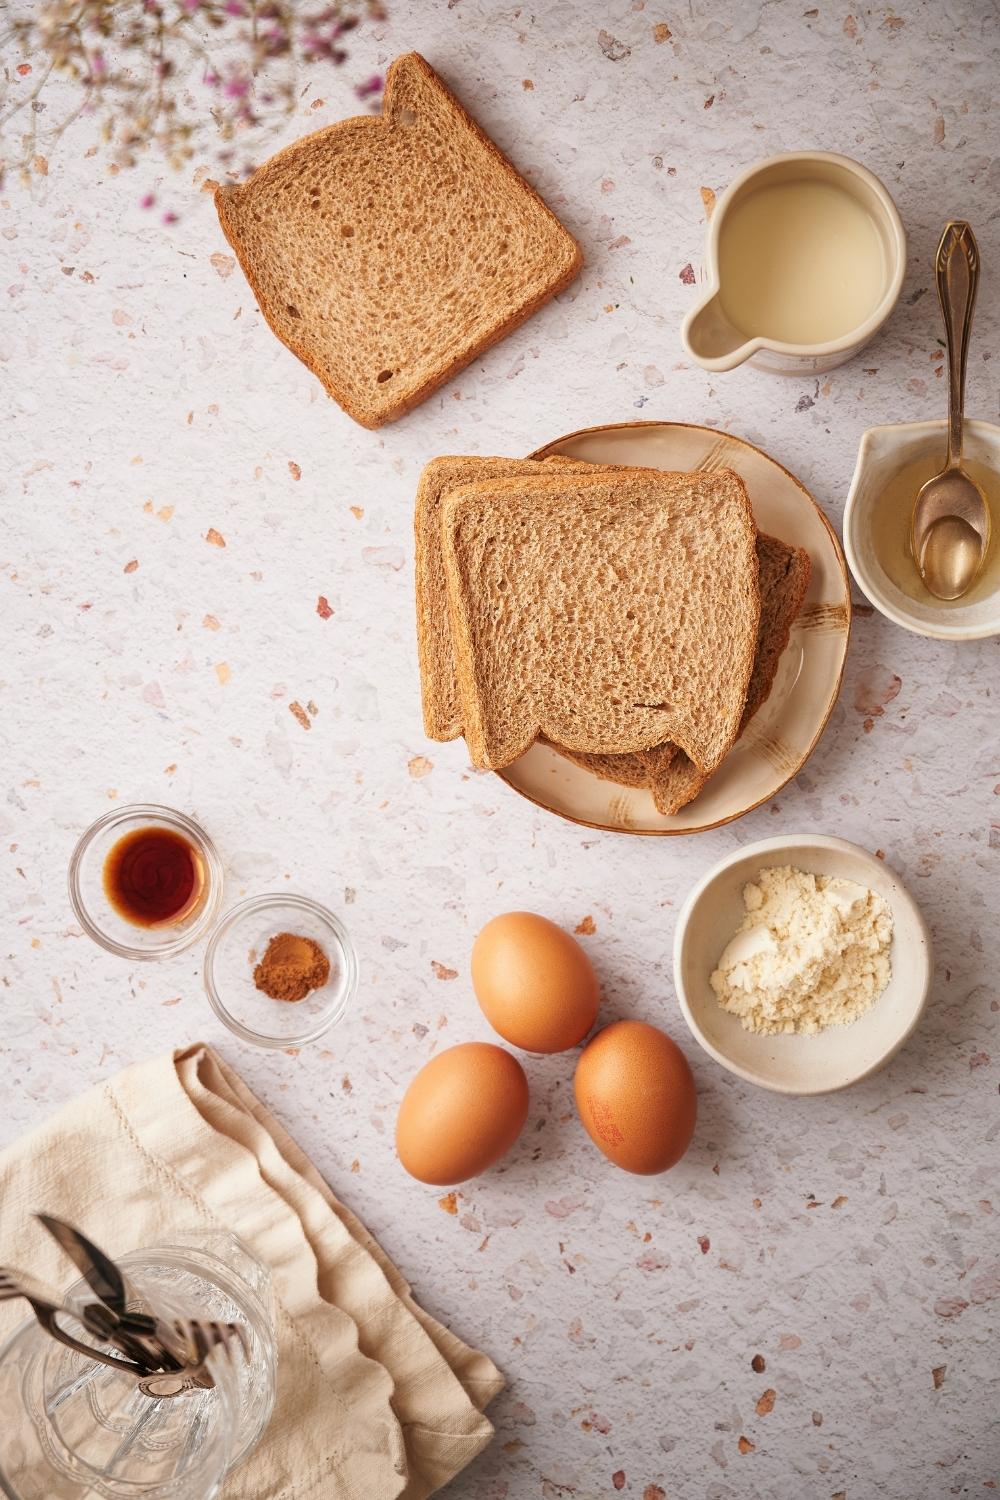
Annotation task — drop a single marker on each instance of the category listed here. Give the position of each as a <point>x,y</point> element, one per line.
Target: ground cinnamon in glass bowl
<point>292,966</point>
<point>304,955</point>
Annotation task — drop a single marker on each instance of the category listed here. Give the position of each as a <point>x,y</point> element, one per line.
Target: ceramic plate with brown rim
<point>785,730</point>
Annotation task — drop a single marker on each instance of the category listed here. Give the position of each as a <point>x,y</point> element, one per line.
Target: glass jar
<point>71,1427</point>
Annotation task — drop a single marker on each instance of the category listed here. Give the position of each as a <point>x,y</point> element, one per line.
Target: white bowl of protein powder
<point>802,964</point>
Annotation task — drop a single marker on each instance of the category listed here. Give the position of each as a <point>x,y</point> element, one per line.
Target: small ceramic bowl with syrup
<point>235,950</point>
<point>893,462</point>
<point>145,881</point>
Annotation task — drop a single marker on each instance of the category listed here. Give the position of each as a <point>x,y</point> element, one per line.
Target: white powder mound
<point>811,952</point>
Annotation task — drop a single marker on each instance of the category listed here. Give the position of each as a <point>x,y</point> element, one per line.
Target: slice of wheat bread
<point>439,689</point>
<point>673,778</point>
<point>666,770</point>
<point>389,252</point>
<point>627,770</point>
<point>608,612</point>
<point>624,770</point>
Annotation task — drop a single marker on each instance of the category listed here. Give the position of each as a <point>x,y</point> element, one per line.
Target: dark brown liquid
<point>153,875</point>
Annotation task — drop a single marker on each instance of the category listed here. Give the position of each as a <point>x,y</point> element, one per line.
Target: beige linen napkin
<point>375,1398</point>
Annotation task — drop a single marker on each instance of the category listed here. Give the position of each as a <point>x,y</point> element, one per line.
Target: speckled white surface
<point>851,1242</point>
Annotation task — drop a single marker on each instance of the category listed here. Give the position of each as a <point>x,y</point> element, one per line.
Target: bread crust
<point>784,575</point>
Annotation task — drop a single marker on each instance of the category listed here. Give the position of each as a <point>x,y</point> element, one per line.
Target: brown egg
<point>463,1110</point>
<point>534,982</point>
<point>636,1097</point>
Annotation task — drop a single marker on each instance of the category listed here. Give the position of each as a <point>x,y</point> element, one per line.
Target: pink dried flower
<point>125,58</point>
<point>147,200</point>
<point>170,217</point>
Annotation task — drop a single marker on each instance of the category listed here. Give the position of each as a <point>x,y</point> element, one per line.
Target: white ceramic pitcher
<point>806,241</point>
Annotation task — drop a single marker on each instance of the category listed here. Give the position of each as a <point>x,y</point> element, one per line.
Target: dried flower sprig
<point>162,72</point>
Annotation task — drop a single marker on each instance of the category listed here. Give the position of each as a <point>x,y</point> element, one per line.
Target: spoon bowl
<point>950,533</point>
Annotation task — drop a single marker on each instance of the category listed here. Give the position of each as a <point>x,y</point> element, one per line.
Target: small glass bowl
<point>98,917</point>
<point>238,944</point>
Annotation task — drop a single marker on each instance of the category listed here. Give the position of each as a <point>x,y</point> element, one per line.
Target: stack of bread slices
<point>632,618</point>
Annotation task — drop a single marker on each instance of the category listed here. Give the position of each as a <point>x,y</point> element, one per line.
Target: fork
<point>201,1339</point>
<point>13,1284</point>
<point>137,1335</point>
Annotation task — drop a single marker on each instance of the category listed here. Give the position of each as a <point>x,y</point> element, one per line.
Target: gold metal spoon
<point>950,530</point>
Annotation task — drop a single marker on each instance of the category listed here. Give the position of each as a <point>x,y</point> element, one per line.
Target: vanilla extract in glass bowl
<point>145,881</point>
<point>154,875</point>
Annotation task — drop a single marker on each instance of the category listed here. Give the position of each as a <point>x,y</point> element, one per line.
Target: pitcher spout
<point>712,339</point>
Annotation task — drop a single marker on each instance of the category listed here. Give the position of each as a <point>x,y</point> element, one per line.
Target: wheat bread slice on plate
<point>608,612</point>
<point>624,770</point>
<point>668,773</point>
<point>674,779</point>
<point>439,689</point>
<point>389,252</point>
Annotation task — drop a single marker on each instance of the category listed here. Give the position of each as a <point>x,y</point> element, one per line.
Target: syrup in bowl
<point>891,517</point>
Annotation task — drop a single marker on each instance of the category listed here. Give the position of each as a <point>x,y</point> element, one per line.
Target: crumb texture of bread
<point>608,612</point>
<point>784,577</point>
<point>389,252</point>
<point>669,774</point>
<point>439,689</point>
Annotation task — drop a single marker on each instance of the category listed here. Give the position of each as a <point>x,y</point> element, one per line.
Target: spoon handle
<point>957,267</point>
